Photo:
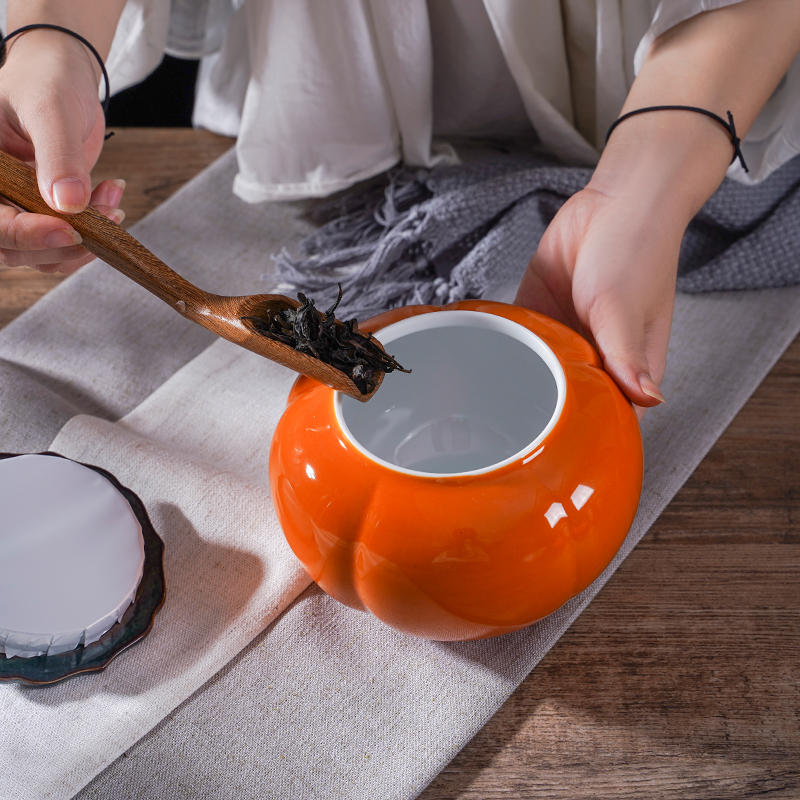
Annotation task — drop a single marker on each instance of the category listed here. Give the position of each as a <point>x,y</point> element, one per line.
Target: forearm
<point>728,59</point>
<point>95,20</point>
<point>606,264</point>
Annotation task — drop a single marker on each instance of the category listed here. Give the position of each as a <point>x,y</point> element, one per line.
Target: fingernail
<point>650,387</point>
<point>69,195</point>
<point>117,214</point>
<point>115,195</point>
<point>62,238</point>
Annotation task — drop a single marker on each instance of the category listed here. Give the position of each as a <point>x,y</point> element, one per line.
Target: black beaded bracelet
<point>48,26</point>
<point>729,125</point>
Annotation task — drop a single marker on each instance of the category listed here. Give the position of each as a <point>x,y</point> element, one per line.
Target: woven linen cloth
<point>326,702</point>
<point>453,233</point>
<point>200,467</point>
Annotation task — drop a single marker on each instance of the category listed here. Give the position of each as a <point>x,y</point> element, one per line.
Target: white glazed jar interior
<point>483,392</point>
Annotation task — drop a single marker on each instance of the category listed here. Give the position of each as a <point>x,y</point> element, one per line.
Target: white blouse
<point>323,93</point>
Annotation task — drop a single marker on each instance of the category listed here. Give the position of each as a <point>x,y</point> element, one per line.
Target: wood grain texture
<point>225,316</point>
<point>154,162</point>
<point>682,678</point>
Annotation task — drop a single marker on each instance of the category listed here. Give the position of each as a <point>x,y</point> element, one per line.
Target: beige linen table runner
<point>326,702</point>
<point>196,453</point>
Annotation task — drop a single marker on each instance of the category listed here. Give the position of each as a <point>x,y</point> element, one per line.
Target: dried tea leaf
<point>340,344</point>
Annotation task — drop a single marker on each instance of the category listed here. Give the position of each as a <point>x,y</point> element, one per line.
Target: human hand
<point>605,269</point>
<point>607,263</point>
<point>50,117</point>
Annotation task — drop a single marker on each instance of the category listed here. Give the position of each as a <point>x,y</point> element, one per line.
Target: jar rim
<point>476,319</point>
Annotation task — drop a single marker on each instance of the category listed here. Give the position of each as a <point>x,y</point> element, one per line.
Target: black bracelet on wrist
<point>92,50</point>
<point>729,126</point>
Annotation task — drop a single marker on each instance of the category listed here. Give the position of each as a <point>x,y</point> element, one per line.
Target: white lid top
<point>71,555</point>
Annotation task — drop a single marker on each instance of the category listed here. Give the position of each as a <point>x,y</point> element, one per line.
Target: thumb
<point>61,164</point>
<point>624,344</point>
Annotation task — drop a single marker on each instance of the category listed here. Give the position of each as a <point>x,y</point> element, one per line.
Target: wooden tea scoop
<point>220,314</point>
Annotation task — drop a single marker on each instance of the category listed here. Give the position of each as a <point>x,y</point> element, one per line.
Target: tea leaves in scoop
<point>340,344</point>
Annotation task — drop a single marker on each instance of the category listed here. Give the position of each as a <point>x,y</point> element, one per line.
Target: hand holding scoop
<point>250,321</point>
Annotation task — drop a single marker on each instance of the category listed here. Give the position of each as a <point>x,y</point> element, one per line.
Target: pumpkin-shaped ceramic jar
<point>472,497</point>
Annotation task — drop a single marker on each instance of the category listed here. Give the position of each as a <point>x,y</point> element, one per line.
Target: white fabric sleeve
<point>139,42</point>
<point>197,28</point>
<point>774,137</point>
<point>138,45</point>
<point>150,28</point>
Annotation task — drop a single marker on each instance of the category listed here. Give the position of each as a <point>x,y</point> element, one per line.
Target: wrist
<point>59,52</point>
<point>667,162</point>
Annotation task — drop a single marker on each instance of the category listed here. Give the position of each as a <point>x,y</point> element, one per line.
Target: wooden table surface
<point>682,678</point>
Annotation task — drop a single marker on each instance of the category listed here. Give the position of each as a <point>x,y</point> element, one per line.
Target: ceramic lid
<point>71,551</point>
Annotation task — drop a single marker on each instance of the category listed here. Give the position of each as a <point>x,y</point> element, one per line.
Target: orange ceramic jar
<point>472,497</point>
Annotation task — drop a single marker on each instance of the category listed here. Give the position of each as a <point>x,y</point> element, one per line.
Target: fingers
<point>24,235</point>
<point>65,267</point>
<point>61,163</point>
<point>546,285</point>
<point>605,269</point>
<point>114,214</point>
<point>534,293</point>
<point>51,117</point>
<point>108,194</point>
<point>47,243</point>
<point>66,141</point>
<point>633,350</point>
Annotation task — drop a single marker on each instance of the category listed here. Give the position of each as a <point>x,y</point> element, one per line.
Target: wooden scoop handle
<point>102,237</point>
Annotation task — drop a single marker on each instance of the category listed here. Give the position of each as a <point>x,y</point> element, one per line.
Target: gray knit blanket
<point>451,233</point>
